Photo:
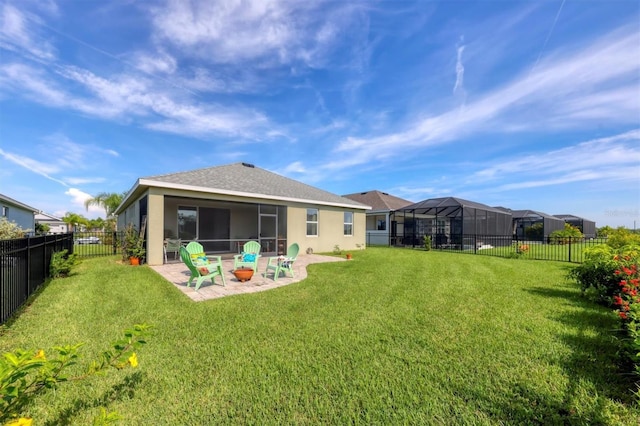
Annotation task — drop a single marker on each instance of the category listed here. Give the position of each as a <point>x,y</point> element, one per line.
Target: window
<point>312,222</point>
<point>381,225</point>
<point>348,223</point>
<point>5,211</point>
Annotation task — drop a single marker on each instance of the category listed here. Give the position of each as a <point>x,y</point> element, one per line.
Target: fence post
<point>570,238</point>
<point>475,244</point>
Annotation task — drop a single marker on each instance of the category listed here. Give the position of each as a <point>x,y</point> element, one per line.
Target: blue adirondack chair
<point>249,256</point>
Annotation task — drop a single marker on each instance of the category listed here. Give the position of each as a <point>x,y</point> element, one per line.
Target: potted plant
<point>133,246</point>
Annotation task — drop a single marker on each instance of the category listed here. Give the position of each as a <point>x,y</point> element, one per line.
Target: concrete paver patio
<point>178,274</point>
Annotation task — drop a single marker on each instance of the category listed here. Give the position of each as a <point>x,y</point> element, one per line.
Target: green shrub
<point>25,374</point>
<point>628,304</point>
<point>427,242</point>
<point>623,237</point>
<point>596,274</point>
<point>568,234</point>
<point>61,263</point>
<point>11,230</point>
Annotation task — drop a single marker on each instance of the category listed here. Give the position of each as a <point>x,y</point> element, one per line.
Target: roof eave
<point>168,185</point>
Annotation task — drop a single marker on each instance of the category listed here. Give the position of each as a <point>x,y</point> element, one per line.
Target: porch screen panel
<point>187,222</point>
<point>214,224</point>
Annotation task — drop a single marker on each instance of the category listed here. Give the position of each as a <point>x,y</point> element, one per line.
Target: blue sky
<point>526,105</point>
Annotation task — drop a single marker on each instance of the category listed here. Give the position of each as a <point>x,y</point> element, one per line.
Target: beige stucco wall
<point>155,227</point>
<point>163,217</point>
<point>330,229</point>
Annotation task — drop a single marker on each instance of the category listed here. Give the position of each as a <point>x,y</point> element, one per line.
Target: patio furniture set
<point>245,264</point>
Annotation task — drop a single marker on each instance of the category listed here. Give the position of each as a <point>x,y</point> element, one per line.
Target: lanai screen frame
<point>465,219</point>
<point>531,217</point>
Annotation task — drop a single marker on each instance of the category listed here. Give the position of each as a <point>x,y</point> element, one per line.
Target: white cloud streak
<point>16,33</point>
<point>616,157</point>
<point>459,85</point>
<point>37,167</point>
<point>568,90</point>
<point>274,32</point>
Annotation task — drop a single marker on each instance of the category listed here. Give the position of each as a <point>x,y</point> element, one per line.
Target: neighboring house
<point>452,222</point>
<point>586,226</point>
<point>534,225</point>
<point>222,207</point>
<point>19,213</point>
<point>381,217</point>
<point>56,225</point>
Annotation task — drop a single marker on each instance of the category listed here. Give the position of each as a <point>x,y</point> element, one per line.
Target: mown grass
<point>393,337</point>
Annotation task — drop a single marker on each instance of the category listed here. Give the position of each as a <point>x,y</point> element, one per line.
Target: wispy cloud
<point>272,31</point>
<point>616,157</point>
<point>458,87</point>
<point>60,155</point>
<point>37,167</point>
<point>17,33</point>
<point>573,86</point>
<point>78,198</point>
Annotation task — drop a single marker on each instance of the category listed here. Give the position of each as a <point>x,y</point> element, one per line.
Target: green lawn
<point>393,337</point>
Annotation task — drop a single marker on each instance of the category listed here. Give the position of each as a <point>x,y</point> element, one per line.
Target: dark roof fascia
<point>18,203</point>
<point>146,183</point>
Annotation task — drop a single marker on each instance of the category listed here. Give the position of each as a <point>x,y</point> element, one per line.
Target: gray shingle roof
<point>445,202</point>
<point>379,200</point>
<point>249,180</point>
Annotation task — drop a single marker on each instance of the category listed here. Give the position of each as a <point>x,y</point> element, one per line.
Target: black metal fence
<point>25,262</point>
<point>562,249</point>
<point>24,267</point>
<point>97,243</point>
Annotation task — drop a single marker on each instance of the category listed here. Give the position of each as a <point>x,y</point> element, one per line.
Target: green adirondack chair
<point>202,269</point>
<point>249,256</point>
<point>283,263</point>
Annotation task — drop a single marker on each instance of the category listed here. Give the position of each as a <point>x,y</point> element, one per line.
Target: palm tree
<point>73,220</point>
<point>109,201</point>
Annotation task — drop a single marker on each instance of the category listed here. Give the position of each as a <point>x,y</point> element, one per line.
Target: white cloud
<point>126,97</point>
<point>17,33</point>
<point>40,168</point>
<point>84,180</point>
<point>576,86</point>
<point>152,63</point>
<point>272,31</point>
<point>459,85</point>
<point>78,199</point>
<point>577,162</point>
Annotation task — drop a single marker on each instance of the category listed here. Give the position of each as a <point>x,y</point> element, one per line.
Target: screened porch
<point>222,227</point>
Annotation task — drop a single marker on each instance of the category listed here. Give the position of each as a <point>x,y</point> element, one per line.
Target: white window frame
<point>312,222</point>
<point>346,223</point>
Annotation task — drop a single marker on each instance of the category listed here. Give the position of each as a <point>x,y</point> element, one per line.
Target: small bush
<point>568,234</point>
<point>11,230</point>
<point>427,242</point>
<point>61,264</point>
<point>623,237</point>
<point>596,274</point>
<point>26,374</point>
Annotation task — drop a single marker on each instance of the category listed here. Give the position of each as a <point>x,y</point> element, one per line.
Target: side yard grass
<point>392,337</point>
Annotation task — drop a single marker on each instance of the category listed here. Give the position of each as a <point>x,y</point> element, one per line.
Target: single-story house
<point>19,213</point>
<point>56,225</point>
<point>586,226</point>
<point>223,207</point>
<point>381,218</point>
